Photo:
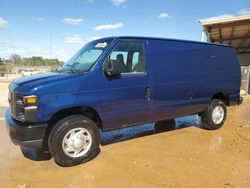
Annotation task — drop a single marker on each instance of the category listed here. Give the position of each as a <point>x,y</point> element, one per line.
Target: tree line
<point>1,61</point>
<point>33,61</point>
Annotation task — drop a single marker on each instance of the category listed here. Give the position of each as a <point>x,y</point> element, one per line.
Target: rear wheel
<point>215,114</point>
<point>74,140</point>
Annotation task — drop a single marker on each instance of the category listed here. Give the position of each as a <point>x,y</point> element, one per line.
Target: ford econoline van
<point>117,82</point>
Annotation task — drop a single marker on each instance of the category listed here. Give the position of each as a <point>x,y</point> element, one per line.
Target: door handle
<point>148,93</point>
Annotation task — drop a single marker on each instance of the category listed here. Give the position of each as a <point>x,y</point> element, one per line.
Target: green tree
<point>1,62</point>
<point>39,61</point>
<point>16,59</point>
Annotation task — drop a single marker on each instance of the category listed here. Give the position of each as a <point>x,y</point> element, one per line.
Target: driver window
<point>130,56</point>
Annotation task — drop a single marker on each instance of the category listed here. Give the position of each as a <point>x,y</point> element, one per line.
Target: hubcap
<point>77,142</point>
<point>218,114</point>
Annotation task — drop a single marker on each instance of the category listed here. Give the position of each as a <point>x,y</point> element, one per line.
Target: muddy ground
<point>188,156</point>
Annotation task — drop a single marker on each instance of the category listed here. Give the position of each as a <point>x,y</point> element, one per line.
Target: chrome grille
<point>12,103</point>
<point>15,110</point>
<point>20,111</point>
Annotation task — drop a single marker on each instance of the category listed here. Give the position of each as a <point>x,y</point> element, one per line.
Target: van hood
<point>41,78</point>
<point>47,82</point>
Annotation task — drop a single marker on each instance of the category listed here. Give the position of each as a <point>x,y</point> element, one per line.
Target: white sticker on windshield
<point>101,45</point>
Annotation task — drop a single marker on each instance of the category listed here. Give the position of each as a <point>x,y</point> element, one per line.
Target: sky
<point>28,27</point>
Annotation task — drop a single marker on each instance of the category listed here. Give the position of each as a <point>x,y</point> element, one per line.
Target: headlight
<point>19,101</point>
<point>26,107</point>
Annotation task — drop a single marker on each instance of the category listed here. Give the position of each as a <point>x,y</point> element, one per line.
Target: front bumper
<point>30,136</point>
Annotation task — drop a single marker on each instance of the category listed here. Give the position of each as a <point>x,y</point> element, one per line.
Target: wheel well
<point>222,96</point>
<point>81,110</point>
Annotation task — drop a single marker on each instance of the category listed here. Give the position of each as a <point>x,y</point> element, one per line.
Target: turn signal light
<point>30,100</point>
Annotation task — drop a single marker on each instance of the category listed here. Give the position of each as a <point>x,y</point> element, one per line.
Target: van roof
<point>166,39</point>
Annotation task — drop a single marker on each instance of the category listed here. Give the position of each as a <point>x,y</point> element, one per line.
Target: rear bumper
<point>235,99</point>
<point>240,101</point>
<point>30,136</point>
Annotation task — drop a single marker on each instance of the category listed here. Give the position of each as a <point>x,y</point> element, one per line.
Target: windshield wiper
<point>71,71</point>
<point>73,64</point>
<point>74,71</point>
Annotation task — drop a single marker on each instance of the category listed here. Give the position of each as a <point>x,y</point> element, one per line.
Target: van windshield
<point>85,58</point>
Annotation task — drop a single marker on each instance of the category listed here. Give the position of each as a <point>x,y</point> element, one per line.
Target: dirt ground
<point>188,156</point>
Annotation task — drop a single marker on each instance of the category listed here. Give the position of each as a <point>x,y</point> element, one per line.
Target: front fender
<point>52,103</point>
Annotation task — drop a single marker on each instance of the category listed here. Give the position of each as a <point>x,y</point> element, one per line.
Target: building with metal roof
<point>234,31</point>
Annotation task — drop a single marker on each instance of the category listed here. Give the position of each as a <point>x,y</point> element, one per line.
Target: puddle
<point>124,134</point>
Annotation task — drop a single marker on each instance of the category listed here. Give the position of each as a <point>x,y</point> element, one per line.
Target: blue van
<point>117,82</point>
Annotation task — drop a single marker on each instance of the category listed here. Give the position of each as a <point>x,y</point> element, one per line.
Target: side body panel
<point>187,75</point>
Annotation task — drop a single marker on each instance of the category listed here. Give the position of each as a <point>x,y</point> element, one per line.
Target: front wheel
<point>215,114</point>
<point>74,140</point>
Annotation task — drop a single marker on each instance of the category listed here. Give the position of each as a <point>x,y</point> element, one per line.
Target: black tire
<point>206,116</point>
<point>164,125</point>
<point>61,128</point>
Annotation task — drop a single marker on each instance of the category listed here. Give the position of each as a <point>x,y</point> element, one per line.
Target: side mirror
<point>113,68</point>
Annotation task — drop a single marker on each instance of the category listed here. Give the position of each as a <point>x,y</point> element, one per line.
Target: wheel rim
<point>218,114</point>
<point>77,142</point>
